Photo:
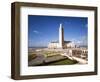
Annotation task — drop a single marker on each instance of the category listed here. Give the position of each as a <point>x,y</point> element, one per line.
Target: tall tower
<point>61,36</point>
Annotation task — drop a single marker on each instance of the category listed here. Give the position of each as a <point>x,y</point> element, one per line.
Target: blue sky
<point>44,29</point>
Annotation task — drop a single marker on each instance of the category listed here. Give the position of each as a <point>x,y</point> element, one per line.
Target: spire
<point>61,36</point>
<point>61,25</point>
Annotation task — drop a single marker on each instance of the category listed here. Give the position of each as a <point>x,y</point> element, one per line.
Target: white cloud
<point>86,25</point>
<point>36,32</point>
<point>81,41</point>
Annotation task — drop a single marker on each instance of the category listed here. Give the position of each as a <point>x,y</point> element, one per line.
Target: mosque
<point>61,44</point>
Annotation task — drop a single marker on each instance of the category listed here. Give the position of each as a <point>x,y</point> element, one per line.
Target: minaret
<point>61,36</point>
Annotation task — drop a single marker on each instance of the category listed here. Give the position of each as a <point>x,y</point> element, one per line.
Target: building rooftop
<point>58,41</point>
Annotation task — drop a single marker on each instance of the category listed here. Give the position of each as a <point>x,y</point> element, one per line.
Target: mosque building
<point>61,44</point>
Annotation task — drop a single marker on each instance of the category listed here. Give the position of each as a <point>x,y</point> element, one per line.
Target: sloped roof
<point>67,41</point>
<point>58,41</point>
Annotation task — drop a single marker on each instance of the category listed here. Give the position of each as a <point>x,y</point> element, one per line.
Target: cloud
<point>36,32</point>
<point>86,25</point>
<point>81,41</point>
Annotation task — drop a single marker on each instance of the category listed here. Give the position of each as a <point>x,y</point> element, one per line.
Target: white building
<point>61,43</point>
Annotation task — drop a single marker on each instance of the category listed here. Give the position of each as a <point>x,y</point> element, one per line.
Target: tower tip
<point>61,25</point>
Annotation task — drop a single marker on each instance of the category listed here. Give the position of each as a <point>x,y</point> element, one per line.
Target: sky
<point>45,29</point>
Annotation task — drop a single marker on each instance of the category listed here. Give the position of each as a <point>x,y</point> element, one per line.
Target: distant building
<point>78,52</point>
<point>61,43</point>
